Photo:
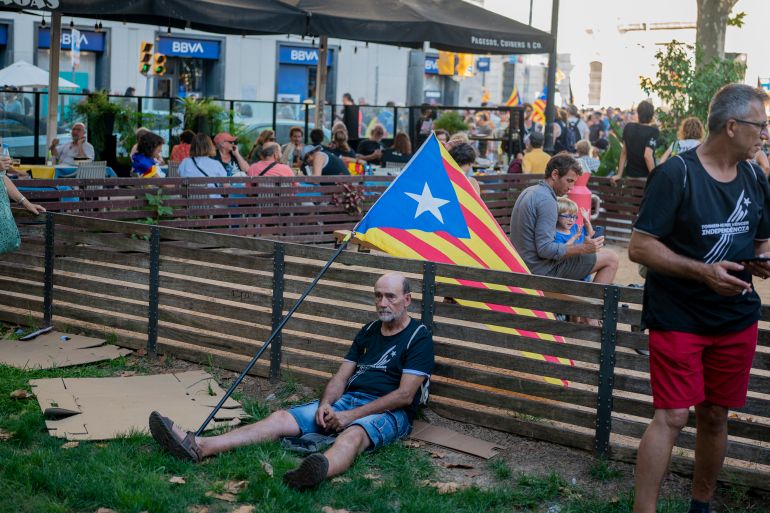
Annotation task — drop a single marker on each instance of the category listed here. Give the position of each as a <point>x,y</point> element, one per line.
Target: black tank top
<point>334,166</point>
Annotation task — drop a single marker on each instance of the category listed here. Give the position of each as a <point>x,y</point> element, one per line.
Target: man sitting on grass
<point>370,401</point>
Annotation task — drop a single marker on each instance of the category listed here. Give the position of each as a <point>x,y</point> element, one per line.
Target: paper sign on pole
<point>75,48</point>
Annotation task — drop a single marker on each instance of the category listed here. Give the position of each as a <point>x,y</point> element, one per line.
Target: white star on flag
<point>427,203</point>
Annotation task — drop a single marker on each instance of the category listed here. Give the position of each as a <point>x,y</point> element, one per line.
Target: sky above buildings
<point>588,31</point>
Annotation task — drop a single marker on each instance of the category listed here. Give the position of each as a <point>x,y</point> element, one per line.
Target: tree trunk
<point>711,27</point>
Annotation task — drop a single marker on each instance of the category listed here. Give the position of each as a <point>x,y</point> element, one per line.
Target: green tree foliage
<point>450,121</point>
<point>684,89</point>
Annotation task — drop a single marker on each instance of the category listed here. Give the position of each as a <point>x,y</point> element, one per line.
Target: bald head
<point>271,151</point>
<point>396,280</point>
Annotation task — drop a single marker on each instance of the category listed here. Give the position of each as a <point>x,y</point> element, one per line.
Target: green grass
<point>131,474</point>
<point>603,470</point>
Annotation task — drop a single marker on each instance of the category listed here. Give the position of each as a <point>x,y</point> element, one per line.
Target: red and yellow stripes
<point>486,247</point>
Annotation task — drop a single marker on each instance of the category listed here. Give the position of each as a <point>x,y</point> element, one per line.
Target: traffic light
<point>446,63</point>
<point>145,58</point>
<point>159,68</point>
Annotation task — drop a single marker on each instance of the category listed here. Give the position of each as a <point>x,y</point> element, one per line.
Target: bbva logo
<point>186,47</point>
<point>35,4</point>
<point>66,39</point>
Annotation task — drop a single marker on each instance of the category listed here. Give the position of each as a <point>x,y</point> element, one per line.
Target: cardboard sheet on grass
<point>105,408</point>
<point>453,440</point>
<point>57,349</point>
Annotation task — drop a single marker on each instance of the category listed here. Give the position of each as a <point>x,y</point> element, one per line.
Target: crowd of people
<point>266,157</point>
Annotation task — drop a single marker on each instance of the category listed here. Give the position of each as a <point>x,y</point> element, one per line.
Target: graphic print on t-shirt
<point>736,224</point>
<point>380,364</point>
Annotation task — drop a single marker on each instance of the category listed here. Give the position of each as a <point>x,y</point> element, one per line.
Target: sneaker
<point>310,473</point>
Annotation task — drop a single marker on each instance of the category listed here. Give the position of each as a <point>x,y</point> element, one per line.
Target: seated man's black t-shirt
<point>381,360</point>
<point>637,138</point>
<point>391,155</point>
<point>594,132</point>
<point>697,217</point>
<point>367,147</point>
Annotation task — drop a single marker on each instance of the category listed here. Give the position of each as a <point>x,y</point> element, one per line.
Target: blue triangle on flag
<point>421,198</point>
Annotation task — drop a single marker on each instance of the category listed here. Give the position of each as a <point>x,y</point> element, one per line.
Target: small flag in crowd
<point>432,212</point>
<point>514,100</point>
<point>538,109</point>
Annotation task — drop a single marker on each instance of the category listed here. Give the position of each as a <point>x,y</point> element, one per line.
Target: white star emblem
<point>427,203</point>
<point>746,202</point>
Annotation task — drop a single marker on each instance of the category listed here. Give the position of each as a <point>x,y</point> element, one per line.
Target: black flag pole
<point>275,332</point>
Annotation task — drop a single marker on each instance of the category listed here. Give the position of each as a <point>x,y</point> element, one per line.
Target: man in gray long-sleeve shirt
<point>533,226</point>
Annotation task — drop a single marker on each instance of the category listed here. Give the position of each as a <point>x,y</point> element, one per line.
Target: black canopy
<point>452,25</point>
<point>219,16</point>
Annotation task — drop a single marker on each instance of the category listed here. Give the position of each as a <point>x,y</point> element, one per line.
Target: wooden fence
<point>282,209</point>
<point>213,298</point>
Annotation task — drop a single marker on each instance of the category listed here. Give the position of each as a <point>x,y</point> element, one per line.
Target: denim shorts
<point>382,428</point>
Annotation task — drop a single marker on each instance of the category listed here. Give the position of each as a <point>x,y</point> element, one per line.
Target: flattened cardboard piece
<point>453,440</point>
<point>56,349</point>
<point>105,408</point>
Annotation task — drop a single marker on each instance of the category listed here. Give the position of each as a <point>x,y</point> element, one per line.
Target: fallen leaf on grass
<point>20,394</point>
<point>196,508</point>
<point>329,509</point>
<point>246,508</point>
<point>340,479</point>
<point>456,465</point>
<point>141,352</point>
<point>5,435</point>
<point>177,480</point>
<point>235,486</point>
<point>71,445</point>
<point>412,443</point>
<point>268,468</point>
<point>228,497</point>
<point>442,487</point>
<point>372,477</point>
<point>293,398</point>
<point>437,454</point>
<point>105,510</point>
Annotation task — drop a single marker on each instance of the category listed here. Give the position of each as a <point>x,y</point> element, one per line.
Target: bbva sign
<point>34,4</point>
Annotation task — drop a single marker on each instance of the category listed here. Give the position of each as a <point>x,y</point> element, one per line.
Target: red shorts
<point>687,369</point>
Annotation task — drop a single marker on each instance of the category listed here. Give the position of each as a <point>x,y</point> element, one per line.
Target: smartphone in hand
<point>756,259</point>
<point>598,231</point>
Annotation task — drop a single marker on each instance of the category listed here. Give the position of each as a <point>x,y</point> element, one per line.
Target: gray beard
<point>386,316</point>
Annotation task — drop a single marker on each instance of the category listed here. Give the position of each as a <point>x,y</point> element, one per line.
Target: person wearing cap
<point>229,155</point>
<point>322,163</point>
<point>535,159</point>
<point>78,149</point>
<point>270,162</point>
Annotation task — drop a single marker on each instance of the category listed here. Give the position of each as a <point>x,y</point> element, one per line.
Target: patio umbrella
<point>453,25</point>
<point>217,16</point>
<point>24,74</point>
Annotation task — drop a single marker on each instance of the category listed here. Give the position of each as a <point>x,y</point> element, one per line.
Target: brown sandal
<point>162,432</point>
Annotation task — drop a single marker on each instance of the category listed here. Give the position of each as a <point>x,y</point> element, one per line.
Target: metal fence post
<point>428,294</point>
<point>278,285</point>
<point>606,371</point>
<point>152,307</point>
<point>49,263</point>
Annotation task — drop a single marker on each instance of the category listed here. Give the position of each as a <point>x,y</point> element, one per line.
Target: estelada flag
<point>538,109</point>
<point>432,212</point>
<point>514,100</point>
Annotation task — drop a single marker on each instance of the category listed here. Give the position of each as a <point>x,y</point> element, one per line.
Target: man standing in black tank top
<point>705,213</point>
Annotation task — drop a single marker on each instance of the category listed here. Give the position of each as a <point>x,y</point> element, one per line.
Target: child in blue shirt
<point>567,230</point>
